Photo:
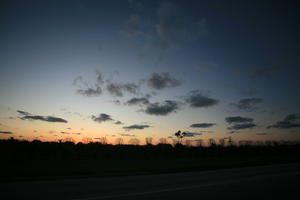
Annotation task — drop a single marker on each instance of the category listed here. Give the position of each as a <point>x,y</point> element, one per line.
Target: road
<point>260,182</point>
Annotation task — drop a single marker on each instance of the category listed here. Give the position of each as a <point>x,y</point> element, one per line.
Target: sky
<point>136,69</point>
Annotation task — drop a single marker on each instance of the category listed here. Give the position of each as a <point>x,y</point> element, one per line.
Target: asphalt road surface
<point>273,181</point>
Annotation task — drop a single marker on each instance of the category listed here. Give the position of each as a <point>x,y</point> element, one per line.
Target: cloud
<point>241,126</point>
<point>63,132</point>
<point>202,125</point>
<point>238,119</point>
<point>23,112</point>
<point>91,91</point>
<point>162,80</point>
<point>191,134</point>
<point>118,122</point>
<point>290,121</point>
<point>138,101</point>
<point>28,116</point>
<point>135,126</point>
<point>6,132</point>
<point>196,99</point>
<point>163,108</point>
<point>102,118</point>
<point>248,104</point>
<point>239,123</point>
<point>88,90</point>
<point>118,89</point>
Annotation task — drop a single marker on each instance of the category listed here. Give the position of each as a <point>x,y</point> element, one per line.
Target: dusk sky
<point>136,69</point>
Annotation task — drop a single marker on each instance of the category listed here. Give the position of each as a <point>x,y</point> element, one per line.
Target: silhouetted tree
<point>148,140</point>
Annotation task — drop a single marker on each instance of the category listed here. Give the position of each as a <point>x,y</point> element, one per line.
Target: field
<point>30,160</point>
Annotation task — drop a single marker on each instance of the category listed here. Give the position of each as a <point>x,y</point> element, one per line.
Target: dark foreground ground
<point>273,181</point>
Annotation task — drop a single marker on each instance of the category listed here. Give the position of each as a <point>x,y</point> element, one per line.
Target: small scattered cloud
<point>118,89</point>
<point>238,122</point>
<point>162,109</point>
<point>63,132</point>
<point>241,126</point>
<point>191,134</point>
<point>202,125</point>
<point>196,99</point>
<point>118,122</point>
<point>135,126</point>
<point>163,80</point>
<point>6,132</point>
<point>290,121</point>
<point>247,104</point>
<point>28,116</point>
<point>102,118</point>
<point>138,101</point>
<point>89,90</point>
<point>238,119</point>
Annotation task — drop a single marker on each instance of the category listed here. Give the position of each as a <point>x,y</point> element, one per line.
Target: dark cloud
<point>202,125</point>
<point>290,121</point>
<point>196,99</point>
<point>118,89</point>
<point>102,118</point>
<point>241,126</point>
<point>23,112</point>
<point>162,80</point>
<point>239,123</point>
<point>91,91</point>
<point>118,122</point>
<point>63,132</point>
<point>191,134</point>
<point>88,90</point>
<point>292,117</point>
<point>138,101</point>
<point>28,116</point>
<point>247,104</point>
<point>163,108</point>
<point>6,132</point>
<point>238,119</point>
<point>136,126</point>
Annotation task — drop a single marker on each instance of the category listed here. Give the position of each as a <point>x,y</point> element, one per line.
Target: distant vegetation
<point>37,159</point>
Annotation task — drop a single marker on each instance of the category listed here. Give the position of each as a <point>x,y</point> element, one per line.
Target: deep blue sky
<point>184,62</point>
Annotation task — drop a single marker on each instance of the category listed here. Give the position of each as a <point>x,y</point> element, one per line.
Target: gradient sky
<point>137,69</point>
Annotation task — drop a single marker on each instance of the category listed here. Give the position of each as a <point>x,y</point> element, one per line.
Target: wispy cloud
<point>28,116</point>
